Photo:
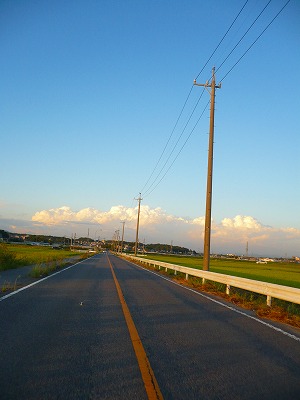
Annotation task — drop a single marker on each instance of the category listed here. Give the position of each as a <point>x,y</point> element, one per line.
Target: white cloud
<point>241,222</point>
<point>198,221</point>
<point>53,216</point>
<point>156,225</point>
<point>56,216</point>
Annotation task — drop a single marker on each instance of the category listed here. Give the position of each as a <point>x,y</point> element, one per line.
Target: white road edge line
<point>290,335</point>
<point>40,280</point>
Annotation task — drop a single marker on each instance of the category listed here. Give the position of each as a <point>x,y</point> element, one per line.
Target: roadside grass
<point>281,311</point>
<point>15,256</point>
<point>38,271</point>
<point>287,274</point>
<point>44,269</point>
<point>44,261</point>
<point>8,286</point>
<point>9,259</point>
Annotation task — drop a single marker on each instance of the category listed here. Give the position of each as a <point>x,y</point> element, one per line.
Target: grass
<point>44,260</point>
<point>281,311</point>
<point>8,286</point>
<point>8,259</point>
<point>42,269</point>
<point>286,274</point>
<point>15,256</point>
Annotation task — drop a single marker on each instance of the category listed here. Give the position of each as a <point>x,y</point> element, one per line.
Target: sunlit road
<point>66,338</point>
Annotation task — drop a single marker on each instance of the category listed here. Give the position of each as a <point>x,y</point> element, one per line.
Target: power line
<point>149,191</point>
<point>222,39</point>
<point>179,150</point>
<point>164,150</point>
<point>174,147</point>
<point>244,35</point>
<point>253,43</point>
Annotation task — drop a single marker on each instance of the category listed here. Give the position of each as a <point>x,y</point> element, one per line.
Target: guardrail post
<point>269,301</point>
<point>175,272</point>
<point>228,290</point>
<point>203,281</point>
<point>186,277</point>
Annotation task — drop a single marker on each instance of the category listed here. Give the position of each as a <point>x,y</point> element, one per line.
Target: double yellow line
<point>150,382</point>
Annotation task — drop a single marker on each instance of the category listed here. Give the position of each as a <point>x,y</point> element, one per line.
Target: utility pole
<point>207,229</point>
<point>118,240</point>
<point>137,225</point>
<point>122,222</point>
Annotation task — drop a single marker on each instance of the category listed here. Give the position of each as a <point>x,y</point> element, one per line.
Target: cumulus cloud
<point>291,233</point>
<point>241,222</point>
<point>56,216</point>
<point>198,221</point>
<point>156,225</point>
<point>239,230</point>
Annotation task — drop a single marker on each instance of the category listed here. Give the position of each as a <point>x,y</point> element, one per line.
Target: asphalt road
<point>66,338</point>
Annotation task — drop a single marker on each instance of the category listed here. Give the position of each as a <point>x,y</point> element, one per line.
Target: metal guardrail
<point>270,290</point>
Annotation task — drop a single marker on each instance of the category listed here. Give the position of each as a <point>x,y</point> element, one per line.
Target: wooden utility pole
<point>118,240</point>
<point>137,224</point>
<point>122,222</point>
<point>207,229</point>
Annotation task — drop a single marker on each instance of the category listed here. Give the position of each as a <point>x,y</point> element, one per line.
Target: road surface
<point>66,337</point>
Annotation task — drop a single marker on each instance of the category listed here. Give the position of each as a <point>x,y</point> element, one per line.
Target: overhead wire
<point>171,135</point>
<point>258,37</point>
<point>256,19</point>
<point>177,155</point>
<point>174,147</point>
<point>151,188</point>
<point>222,39</point>
<point>166,145</point>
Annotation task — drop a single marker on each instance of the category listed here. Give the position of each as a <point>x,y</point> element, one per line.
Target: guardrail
<point>270,290</point>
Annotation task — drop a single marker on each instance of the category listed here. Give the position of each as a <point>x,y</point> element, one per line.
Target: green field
<point>14,256</point>
<point>287,274</point>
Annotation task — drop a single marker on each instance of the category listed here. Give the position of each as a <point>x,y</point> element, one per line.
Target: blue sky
<point>91,92</point>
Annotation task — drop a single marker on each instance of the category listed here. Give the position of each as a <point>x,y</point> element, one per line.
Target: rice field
<point>14,256</point>
<point>281,273</point>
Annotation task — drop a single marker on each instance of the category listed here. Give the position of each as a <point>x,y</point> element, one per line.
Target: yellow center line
<point>150,382</point>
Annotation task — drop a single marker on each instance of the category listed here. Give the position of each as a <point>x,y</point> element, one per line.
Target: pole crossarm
<point>207,84</point>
